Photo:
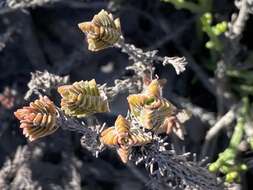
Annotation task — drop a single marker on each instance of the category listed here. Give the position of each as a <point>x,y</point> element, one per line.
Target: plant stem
<point>239,128</point>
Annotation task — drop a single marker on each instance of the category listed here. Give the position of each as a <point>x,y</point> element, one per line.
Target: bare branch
<point>150,57</point>
<point>4,38</point>
<point>204,115</point>
<point>238,24</point>
<point>165,166</point>
<point>44,82</point>
<point>21,4</point>
<point>224,121</point>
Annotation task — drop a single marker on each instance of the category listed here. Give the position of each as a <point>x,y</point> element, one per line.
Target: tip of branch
<point>179,63</point>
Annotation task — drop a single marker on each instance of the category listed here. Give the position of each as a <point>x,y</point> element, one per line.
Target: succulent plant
<point>38,119</point>
<point>123,137</point>
<point>102,32</point>
<point>82,98</point>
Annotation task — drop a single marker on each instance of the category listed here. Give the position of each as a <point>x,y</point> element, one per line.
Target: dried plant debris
<point>42,83</point>
<point>90,139</point>
<point>5,37</point>
<point>90,130</point>
<point>248,3</point>
<point>82,99</point>
<point>102,32</point>
<point>21,4</point>
<point>143,59</point>
<point>38,119</point>
<point>73,180</point>
<point>19,172</point>
<point>16,174</point>
<point>130,85</point>
<point>179,63</point>
<point>70,123</point>
<point>171,171</point>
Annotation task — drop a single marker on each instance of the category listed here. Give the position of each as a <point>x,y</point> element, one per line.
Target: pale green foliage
<point>227,162</point>
<point>213,32</point>
<point>242,81</point>
<point>203,8</point>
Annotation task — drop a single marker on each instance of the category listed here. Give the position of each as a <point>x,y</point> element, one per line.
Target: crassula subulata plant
<point>123,136</point>
<point>102,32</point>
<point>38,119</point>
<point>82,99</point>
<point>139,135</point>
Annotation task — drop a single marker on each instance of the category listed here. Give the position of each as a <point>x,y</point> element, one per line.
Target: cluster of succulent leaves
<point>102,32</point>
<point>80,99</point>
<point>153,112</point>
<point>228,162</point>
<point>84,98</point>
<point>213,32</point>
<point>38,119</point>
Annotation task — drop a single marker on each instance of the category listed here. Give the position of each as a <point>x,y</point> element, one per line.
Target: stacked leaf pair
<point>154,112</point>
<point>82,99</point>
<point>123,137</point>
<point>102,32</point>
<point>38,119</point>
